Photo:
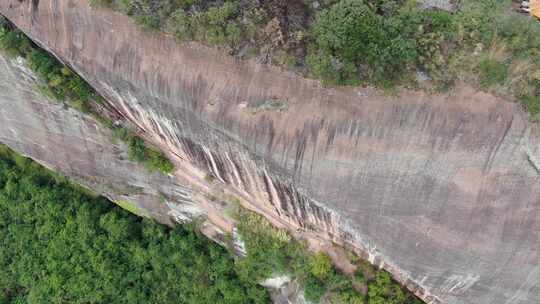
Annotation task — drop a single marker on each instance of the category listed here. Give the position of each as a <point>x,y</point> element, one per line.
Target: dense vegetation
<point>484,41</point>
<point>273,251</point>
<point>61,244</point>
<point>61,83</point>
<point>382,42</point>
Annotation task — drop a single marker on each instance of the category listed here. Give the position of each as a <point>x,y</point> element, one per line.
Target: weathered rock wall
<point>442,190</point>
<point>78,146</point>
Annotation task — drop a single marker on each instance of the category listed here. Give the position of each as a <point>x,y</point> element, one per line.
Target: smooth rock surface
<point>443,191</point>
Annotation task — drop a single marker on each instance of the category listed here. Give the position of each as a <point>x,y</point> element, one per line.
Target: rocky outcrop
<point>67,141</point>
<point>441,190</point>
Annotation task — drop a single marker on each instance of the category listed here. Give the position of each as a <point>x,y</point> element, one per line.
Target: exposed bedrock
<point>64,140</point>
<point>441,190</point>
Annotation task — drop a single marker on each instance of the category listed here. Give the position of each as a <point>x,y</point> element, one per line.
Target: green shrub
<point>126,6</point>
<point>218,15</point>
<point>359,277</point>
<point>476,19</point>
<point>157,161</point>
<point>233,33</point>
<point>349,35</point>
<point>492,72</point>
<point>13,41</point>
<point>328,68</point>
<point>98,3</point>
<point>137,150</point>
<point>321,266</point>
<point>209,178</point>
<point>267,250</point>
<point>122,133</point>
<point>314,289</point>
<point>60,80</point>
<point>180,25</point>
<point>532,104</point>
<point>337,281</point>
<point>383,290</point>
<point>522,35</point>
<point>81,106</point>
<point>348,29</point>
<point>149,22</point>
<point>348,296</point>
<point>153,159</point>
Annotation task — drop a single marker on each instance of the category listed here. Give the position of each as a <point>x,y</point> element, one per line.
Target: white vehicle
<point>525,4</point>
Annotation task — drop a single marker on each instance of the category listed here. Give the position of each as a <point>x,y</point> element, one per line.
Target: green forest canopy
<point>61,244</point>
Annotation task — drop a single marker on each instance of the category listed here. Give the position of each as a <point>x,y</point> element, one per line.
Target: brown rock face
<point>443,191</point>
<point>79,147</point>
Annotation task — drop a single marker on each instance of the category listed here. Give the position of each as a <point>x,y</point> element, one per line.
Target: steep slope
<point>440,190</point>
<point>67,141</point>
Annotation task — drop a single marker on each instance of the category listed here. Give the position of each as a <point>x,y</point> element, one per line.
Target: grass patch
<point>269,105</point>
<point>131,208</point>
<point>492,72</point>
<point>532,104</point>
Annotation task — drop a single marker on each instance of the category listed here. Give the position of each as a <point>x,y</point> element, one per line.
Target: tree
<point>349,35</point>
<point>321,266</point>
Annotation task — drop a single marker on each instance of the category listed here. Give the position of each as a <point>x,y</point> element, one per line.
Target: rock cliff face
<point>78,146</point>
<point>443,191</point>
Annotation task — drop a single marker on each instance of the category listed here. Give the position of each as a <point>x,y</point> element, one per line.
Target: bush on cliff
<point>492,72</point>
<point>352,41</point>
<point>321,266</point>
<point>532,103</point>
<point>61,81</point>
<point>382,290</point>
<point>138,151</point>
<point>349,33</point>
<point>13,41</point>
<point>61,244</point>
